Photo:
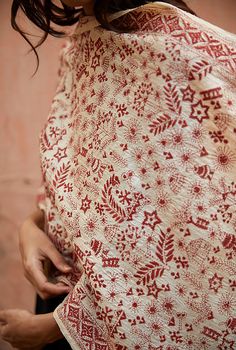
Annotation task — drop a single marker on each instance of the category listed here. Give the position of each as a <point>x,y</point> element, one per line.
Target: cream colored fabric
<point>139,165</point>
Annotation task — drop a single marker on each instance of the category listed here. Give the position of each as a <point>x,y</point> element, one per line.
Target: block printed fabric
<point>139,167</point>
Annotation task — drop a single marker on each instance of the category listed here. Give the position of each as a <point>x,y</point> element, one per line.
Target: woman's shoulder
<point>171,19</point>
<point>157,16</point>
<point>166,23</point>
<point>184,28</point>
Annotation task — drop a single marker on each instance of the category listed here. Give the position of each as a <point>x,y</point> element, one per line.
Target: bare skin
<point>24,330</point>
<point>35,251</point>
<point>19,327</point>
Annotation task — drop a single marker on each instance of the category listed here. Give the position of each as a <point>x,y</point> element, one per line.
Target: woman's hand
<point>24,330</point>
<point>36,249</point>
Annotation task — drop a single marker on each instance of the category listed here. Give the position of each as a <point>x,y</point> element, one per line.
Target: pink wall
<point>24,104</point>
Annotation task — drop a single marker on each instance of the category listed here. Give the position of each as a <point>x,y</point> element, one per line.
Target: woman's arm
<point>24,330</point>
<point>21,328</point>
<point>36,248</point>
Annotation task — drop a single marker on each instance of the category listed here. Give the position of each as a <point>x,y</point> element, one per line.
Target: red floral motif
<point>61,175</point>
<point>200,70</point>
<point>155,269</point>
<point>227,303</point>
<point>172,98</point>
<point>161,123</point>
<point>215,282</point>
<point>132,131</point>
<point>224,158</point>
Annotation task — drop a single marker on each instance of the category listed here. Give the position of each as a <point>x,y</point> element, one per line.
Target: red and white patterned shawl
<point>139,165</point>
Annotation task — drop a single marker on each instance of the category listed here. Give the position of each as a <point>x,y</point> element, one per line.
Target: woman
<point>138,161</point>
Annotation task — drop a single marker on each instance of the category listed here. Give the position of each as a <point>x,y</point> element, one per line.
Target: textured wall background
<point>24,105</point>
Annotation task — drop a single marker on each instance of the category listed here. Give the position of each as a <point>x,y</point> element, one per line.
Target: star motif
<point>215,282</point>
<point>188,94</point>
<point>85,204</point>
<point>153,289</point>
<point>151,219</point>
<point>199,111</point>
<point>61,153</point>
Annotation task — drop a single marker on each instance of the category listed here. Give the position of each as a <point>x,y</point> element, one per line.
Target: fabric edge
<point>64,330</point>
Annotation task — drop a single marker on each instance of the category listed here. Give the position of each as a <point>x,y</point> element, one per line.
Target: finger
<point>43,286</point>
<point>3,316</point>
<point>57,259</point>
<point>3,332</point>
<point>50,290</point>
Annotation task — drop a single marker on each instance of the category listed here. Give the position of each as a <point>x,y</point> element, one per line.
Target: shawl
<point>139,170</point>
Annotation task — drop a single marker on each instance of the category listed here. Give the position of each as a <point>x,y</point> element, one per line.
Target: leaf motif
<point>201,68</point>
<point>111,206</point>
<point>149,272</point>
<point>172,99</point>
<point>61,175</point>
<point>165,247</point>
<point>161,124</point>
<point>45,144</point>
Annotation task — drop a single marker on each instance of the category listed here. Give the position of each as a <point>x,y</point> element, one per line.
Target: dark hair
<point>47,16</point>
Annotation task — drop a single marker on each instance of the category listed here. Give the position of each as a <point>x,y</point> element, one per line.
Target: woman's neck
<point>219,12</point>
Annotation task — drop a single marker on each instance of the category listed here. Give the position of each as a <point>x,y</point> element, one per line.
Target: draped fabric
<point>139,167</point>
